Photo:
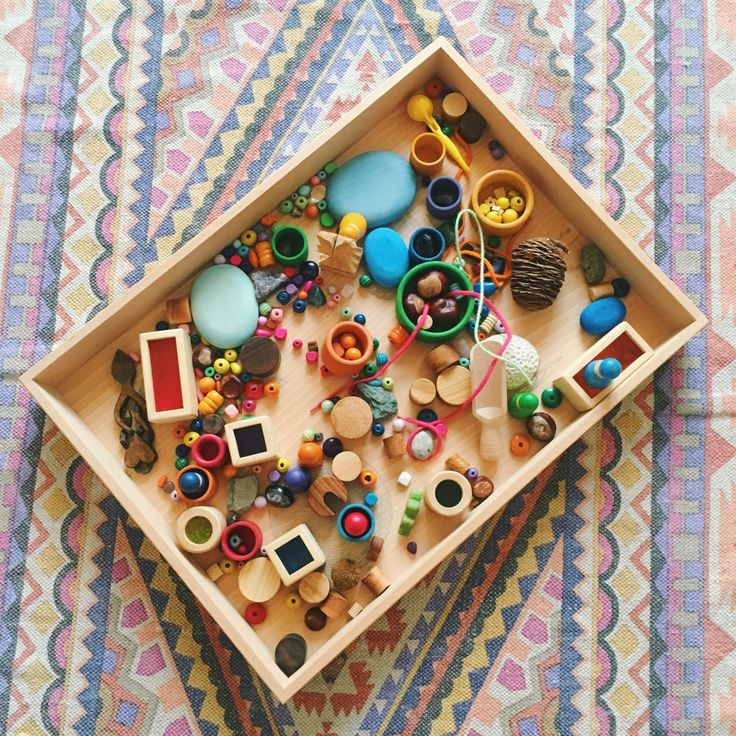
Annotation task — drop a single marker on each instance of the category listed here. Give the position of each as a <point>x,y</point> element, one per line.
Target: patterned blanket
<point>602,599</point>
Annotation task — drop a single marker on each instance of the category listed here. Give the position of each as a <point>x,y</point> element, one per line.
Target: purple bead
<point>297,479</point>
<point>297,279</point>
<point>262,236</point>
<point>291,289</point>
<point>274,476</point>
<point>471,474</point>
<point>332,446</point>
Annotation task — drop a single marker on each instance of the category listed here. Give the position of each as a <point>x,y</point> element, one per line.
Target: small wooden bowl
<point>485,188</point>
<point>251,535</point>
<point>207,495</point>
<point>339,366</point>
<point>217,522</point>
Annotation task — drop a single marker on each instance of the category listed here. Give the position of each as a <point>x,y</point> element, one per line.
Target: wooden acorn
<point>537,272</point>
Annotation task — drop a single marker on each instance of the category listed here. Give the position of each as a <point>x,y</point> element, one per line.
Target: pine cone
<point>537,272</point>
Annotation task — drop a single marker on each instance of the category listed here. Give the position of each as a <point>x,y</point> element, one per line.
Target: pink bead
<point>280,333</point>
<point>297,344</point>
<point>257,469</point>
<point>325,371</point>
<point>249,406</point>
<point>314,180</point>
<point>289,271</point>
<point>276,315</point>
<point>261,332</point>
<point>185,328</point>
<point>337,298</point>
<point>200,395</point>
<point>231,412</point>
<point>260,502</point>
<point>307,286</point>
<point>330,304</point>
<point>198,372</point>
<point>134,357</point>
<point>262,320</point>
<point>312,356</point>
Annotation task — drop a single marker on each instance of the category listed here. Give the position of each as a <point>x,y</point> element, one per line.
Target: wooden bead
<point>355,609</point>
<point>260,356</point>
<point>375,548</point>
<point>351,418</point>
<point>177,311</point>
<point>347,466</point>
<point>315,587</point>
<point>442,357</point>
<point>457,463</point>
<point>598,291</point>
<point>394,445</point>
<point>376,581</point>
<point>454,106</point>
<point>334,606</point>
<point>314,619</point>
<point>259,580</point>
<point>214,572</point>
<point>453,385</point>
<point>322,486</point>
<point>449,493</point>
<point>422,391</point>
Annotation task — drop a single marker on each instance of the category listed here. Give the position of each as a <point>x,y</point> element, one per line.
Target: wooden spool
<point>453,385</point>
<point>454,106</point>
<point>334,605</point>
<point>394,445</point>
<point>376,581</point>
<point>422,391</point>
<point>321,487</point>
<point>351,418</point>
<point>258,580</point>
<point>442,357</point>
<point>346,466</point>
<point>315,587</point>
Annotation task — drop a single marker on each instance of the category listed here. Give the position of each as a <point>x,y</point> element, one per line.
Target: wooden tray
<point>74,386</point>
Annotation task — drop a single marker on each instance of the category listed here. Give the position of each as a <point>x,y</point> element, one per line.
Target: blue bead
<point>162,325</point>
<point>309,270</point>
<point>332,446</point>
<point>182,451</point>
<point>374,382</point>
<point>359,318</point>
<point>464,362</point>
<point>370,499</point>
<point>378,429</point>
<point>299,306</point>
<point>196,425</point>
<point>484,311</point>
<point>283,297</point>
<point>297,479</point>
<point>297,279</point>
<point>489,287</point>
<point>620,287</point>
<point>243,250</point>
<point>427,415</point>
<point>228,251</point>
<point>381,358</point>
<point>194,339</point>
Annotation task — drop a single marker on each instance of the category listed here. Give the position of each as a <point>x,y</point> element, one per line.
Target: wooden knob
<point>422,391</point>
<point>334,605</point>
<point>454,106</point>
<point>315,587</point>
<point>442,357</point>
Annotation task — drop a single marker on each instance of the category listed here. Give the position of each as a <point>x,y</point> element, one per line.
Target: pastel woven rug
<point>602,600</point>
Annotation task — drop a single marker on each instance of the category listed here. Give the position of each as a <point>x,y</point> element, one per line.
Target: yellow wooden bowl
<point>486,187</point>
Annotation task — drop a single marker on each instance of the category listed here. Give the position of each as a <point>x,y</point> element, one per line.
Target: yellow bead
<point>235,367</point>
<point>293,600</point>
<point>502,202</point>
<point>249,237</point>
<point>517,203</point>
<point>485,208</point>
<point>353,225</point>
<point>282,465</point>
<point>227,565</point>
<point>190,438</point>
<point>510,215</point>
<point>222,366</point>
<point>231,355</point>
<point>494,216</point>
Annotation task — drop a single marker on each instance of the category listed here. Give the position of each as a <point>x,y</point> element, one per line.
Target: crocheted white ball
<point>521,356</point>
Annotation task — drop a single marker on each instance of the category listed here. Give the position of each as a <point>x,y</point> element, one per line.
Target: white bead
<point>348,290</point>
<point>398,425</point>
<point>260,502</point>
<point>331,289</point>
<point>219,259</point>
<point>404,479</point>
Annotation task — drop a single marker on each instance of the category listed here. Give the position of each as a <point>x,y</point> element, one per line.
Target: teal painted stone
<point>385,256</point>
<point>382,402</point>
<point>379,184</point>
<point>602,315</point>
<point>224,307</point>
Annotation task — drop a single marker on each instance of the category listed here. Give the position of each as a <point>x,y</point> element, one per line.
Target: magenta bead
<point>263,332</point>
<point>249,406</point>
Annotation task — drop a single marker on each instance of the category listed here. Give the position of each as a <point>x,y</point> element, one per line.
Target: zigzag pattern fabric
<point>602,599</point>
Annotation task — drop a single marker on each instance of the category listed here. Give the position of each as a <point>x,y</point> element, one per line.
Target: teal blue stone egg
<point>602,315</point>
<point>379,184</point>
<point>385,256</point>
<point>223,305</point>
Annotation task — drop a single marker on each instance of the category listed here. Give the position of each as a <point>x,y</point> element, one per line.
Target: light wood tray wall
<point>74,386</point>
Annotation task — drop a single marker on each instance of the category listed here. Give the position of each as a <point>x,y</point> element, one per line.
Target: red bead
<point>314,180</point>
<point>255,613</point>
<point>235,259</point>
<point>355,524</point>
<point>289,271</point>
<point>434,88</point>
<point>254,389</point>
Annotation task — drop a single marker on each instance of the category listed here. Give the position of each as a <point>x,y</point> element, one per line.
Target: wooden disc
<point>351,417</point>
<point>454,106</point>
<point>258,580</point>
<point>347,466</point>
<point>443,356</point>
<point>453,385</point>
<point>260,356</point>
<point>422,391</point>
<point>291,653</point>
<point>315,587</point>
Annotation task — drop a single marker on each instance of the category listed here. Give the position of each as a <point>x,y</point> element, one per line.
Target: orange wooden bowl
<point>207,495</point>
<point>337,365</point>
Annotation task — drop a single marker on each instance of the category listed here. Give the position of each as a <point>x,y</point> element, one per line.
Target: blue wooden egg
<point>602,315</point>
<point>386,256</point>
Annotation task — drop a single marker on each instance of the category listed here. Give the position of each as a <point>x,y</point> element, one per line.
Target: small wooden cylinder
<point>443,356</point>
<point>394,445</point>
<point>454,106</point>
<point>457,463</point>
<point>422,391</point>
<point>376,581</point>
<point>315,587</point>
<point>600,290</point>
<point>375,549</point>
<point>334,605</point>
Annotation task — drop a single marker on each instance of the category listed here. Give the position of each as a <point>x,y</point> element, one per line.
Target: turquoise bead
<point>304,190</point>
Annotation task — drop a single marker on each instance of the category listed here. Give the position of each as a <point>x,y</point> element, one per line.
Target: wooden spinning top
<point>537,272</point>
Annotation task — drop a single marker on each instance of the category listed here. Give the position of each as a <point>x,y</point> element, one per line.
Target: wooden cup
<point>339,366</point>
<point>428,151</point>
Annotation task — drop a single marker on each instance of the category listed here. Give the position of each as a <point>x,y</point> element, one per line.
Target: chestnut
<point>413,306</point>
<point>445,311</point>
<point>431,284</point>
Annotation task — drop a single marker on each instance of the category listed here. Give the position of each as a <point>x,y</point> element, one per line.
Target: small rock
<point>382,402</point>
<point>315,619</point>
<point>422,446</point>
<point>291,653</point>
<point>482,487</point>
<point>241,492</point>
<point>279,496</point>
<point>541,426</point>
<point>602,315</point>
<point>266,282</point>
<point>411,547</point>
<point>316,296</point>
<point>592,264</point>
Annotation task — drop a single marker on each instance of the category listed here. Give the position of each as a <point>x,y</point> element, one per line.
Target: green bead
<point>304,190</point>
<point>493,241</point>
<point>365,280</point>
<point>264,309</point>
<point>552,397</point>
<point>301,202</point>
<point>447,130</point>
<point>322,205</point>
<point>346,313</point>
<point>326,220</point>
<point>330,168</point>
<point>209,371</point>
<point>370,369</point>
<point>243,251</point>
<point>523,405</point>
<point>286,206</point>
<point>410,512</point>
<point>308,435</point>
<point>181,462</point>
<point>376,343</point>
<point>388,383</point>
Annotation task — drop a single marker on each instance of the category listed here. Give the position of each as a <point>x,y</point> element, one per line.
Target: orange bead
<point>398,336</point>
<point>268,220</point>
<point>180,430</point>
<point>367,478</point>
<point>310,455</point>
<point>520,445</point>
<point>253,258</point>
<point>301,295</point>
<point>353,354</point>
<point>311,212</point>
<point>229,471</point>
<point>338,349</point>
<point>272,388</point>
<point>348,340</point>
